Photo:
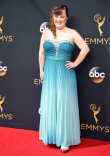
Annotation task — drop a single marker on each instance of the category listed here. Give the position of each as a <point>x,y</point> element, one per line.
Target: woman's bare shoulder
<point>46,32</point>
<point>72,30</point>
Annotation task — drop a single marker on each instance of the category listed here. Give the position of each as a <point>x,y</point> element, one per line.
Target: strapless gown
<point>59,119</point>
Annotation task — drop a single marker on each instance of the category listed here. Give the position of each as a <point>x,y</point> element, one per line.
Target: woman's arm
<point>41,54</point>
<point>79,41</point>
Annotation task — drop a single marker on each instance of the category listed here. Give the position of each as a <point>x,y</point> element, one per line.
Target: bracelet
<point>39,111</point>
<point>74,64</point>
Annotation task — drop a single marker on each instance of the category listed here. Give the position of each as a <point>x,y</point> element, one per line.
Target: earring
<point>66,21</point>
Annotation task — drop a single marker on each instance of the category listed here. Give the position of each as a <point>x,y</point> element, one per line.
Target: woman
<point>59,120</point>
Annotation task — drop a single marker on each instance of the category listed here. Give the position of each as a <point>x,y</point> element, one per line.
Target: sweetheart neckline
<point>59,41</point>
<point>57,49</point>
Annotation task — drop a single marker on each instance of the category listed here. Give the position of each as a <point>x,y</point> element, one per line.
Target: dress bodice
<point>58,50</point>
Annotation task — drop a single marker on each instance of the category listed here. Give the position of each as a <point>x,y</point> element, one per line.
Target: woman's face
<point>60,20</point>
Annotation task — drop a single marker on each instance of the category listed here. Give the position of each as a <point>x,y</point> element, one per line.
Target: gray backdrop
<point>20,86</point>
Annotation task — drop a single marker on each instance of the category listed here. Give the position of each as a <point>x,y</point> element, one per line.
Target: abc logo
<point>44,26</point>
<point>3,69</point>
<point>95,75</point>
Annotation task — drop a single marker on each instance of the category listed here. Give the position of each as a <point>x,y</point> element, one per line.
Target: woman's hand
<point>41,75</point>
<point>70,65</point>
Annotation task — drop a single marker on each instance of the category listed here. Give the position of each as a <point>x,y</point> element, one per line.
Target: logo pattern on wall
<point>0,24</point>
<point>95,112</point>
<point>97,17</point>
<point>4,116</point>
<point>3,69</point>
<point>97,41</point>
<point>3,37</point>
<point>44,26</point>
<point>95,126</point>
<point>1,102</point>
<point>95,75</point>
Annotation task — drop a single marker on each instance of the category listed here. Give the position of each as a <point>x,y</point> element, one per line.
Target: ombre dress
<point>59,119</point>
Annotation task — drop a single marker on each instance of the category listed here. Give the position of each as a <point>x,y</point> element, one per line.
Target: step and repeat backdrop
<point>21,25</point>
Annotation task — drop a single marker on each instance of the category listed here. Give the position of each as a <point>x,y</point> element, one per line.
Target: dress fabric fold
<point>59,119</point>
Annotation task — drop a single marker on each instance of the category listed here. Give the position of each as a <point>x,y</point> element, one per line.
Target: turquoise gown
<point>59,119</point>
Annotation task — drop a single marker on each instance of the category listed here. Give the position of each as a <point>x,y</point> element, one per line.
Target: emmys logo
<point>96,76</point>
<point>3,37</point>
<point>93,108</point>
<point>44,26</point>
<point>4,116</point>
<point>97,41</point>
<point>94,127</point>
<point>37,81</point>
<point>1,102</point>
<point>3,69</point>
<point>0,24</point>
<point>97,17</point>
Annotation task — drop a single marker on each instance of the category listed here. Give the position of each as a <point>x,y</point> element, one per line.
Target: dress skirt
<point>59,119</point>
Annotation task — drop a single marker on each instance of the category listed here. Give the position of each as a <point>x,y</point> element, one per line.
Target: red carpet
<point>20,142</point>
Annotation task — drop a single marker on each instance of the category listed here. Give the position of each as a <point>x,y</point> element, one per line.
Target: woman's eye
<point>56,16</point>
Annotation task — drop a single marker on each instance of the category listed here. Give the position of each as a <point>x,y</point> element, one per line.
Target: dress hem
<point>60,145</point>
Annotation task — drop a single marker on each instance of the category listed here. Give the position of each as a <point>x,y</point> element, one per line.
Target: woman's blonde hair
<point>57,10</point>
